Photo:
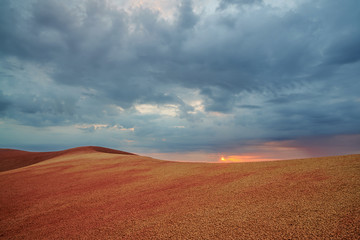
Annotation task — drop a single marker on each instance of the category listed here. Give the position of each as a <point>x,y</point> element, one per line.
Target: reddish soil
<point>98,193</point>
<point>12,159</point>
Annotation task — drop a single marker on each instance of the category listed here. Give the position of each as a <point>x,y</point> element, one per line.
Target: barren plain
<point>99,193</point>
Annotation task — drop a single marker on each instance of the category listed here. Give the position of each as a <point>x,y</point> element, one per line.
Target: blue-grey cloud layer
<point>261,72</point>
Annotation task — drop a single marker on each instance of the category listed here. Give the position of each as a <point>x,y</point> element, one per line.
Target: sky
<point>199,80</point>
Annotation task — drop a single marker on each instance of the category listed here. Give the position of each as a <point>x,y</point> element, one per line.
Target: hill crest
<point>13,158</point>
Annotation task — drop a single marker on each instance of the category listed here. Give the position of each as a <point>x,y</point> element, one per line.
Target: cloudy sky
<point>183,80</point>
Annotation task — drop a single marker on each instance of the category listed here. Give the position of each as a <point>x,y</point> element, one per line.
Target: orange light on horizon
<point>243,158</point>
<point>233,158</point>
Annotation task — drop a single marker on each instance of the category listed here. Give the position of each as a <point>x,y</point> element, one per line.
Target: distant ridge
<point>95,149</point>
<point>13,158</point>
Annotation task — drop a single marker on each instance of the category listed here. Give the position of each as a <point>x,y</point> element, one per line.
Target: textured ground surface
<point>93,193</point>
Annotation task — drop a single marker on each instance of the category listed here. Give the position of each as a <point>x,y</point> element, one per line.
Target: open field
<point>95,193</point>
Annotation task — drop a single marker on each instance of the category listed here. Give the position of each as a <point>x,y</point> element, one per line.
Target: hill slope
<point>92,194</point>
<point>12,159</point>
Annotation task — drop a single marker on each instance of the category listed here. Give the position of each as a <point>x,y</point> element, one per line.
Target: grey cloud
<point>226,3</point>
<point>345,51</point>
<point>316,118</point>
<point>249,106</point>
<point>4,102</point>
<point>53,15</point>
<point>112,57</point>
<point>42,111</point>
<point>291,98</point>
<point>187,18</point>
<point>218,100</point>
<point>98,50</point>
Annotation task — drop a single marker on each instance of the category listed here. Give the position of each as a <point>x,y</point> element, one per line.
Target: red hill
<point>92,193</point>
<point>12,159</point>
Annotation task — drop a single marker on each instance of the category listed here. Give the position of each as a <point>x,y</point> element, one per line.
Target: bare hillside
<point>95,194</point>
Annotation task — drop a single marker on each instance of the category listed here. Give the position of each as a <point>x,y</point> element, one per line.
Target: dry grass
<point>97,195</point>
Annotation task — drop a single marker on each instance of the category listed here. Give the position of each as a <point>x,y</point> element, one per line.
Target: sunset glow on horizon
<point>244,158</point>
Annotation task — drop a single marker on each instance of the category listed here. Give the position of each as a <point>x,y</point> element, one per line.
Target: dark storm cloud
<point>320,119</point>
<point>345,50</point>
<point>187,18</point>
<point>249,106</point>
<point>4,103</point>
<point>97,49</point>
<point>97,56</point>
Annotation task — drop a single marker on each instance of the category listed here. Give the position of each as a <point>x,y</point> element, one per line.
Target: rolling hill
<point>100,193</point>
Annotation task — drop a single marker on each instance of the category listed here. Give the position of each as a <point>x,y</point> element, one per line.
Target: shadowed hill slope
<point>95,195</point>
<point>90,149</point>
<point>12,159</point>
